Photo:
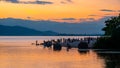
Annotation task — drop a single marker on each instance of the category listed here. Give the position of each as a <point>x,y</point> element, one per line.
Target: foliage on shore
<point>111,29</point>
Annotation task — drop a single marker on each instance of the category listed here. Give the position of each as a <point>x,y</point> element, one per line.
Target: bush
<point>102,43</point>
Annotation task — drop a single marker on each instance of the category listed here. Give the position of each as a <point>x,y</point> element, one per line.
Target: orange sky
<point>59,10</point>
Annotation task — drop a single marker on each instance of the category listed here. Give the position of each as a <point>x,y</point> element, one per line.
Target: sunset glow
<point>62,10</point>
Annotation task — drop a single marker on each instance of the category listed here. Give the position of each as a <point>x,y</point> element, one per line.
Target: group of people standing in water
<point>82,43</point>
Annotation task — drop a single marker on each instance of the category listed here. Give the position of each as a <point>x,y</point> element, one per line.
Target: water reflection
<point>112,60</point>
<point>21,54</point>
<point>83,51</point>
<point>37,57</point>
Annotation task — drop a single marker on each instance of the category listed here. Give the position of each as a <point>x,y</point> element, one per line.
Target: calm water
<point>17,52</point>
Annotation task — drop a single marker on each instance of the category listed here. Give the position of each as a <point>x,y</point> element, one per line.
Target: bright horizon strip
<point>77,9</point>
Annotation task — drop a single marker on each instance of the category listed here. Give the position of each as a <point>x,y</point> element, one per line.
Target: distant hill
<point>80,34</point>
<point>88,27</point>
<point>22,31</point>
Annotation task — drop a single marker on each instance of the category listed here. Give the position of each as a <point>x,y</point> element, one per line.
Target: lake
<point>18,52</point>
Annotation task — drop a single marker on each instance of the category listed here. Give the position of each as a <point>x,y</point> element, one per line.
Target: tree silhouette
<point>112,25</point>
<point>111,29</point>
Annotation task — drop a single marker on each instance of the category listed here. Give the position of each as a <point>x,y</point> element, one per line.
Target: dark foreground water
<point>17,52</point>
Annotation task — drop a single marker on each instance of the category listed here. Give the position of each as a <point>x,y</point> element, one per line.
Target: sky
<point>62,16</point>
<point>71,11</point>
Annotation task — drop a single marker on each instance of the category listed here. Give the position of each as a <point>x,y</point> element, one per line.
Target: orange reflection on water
<point>25,55</point>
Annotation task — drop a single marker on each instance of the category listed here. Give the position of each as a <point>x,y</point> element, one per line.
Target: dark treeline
<point>112,33</point>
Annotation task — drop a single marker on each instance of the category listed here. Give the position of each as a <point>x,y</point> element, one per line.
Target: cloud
<point>29,17</point>
<point>91,19</point>
<point>63,2</point>
<point>12,1</point>
<point>92,15</point>
<point>86,19</point>
<point>29,2</point>
<point>107,10</point>
<point>107,14</point>
<point>69,0</point>
<point>68,19</point>
<point>66,1</point>
<point>82,19</point>
<point>118,10</point>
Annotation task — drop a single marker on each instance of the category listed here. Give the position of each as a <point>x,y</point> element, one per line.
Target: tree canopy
<point>111,25</point>
<point>112,30</point>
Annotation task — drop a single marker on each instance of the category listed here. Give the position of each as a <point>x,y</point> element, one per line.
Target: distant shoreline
<point>51,35</point>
